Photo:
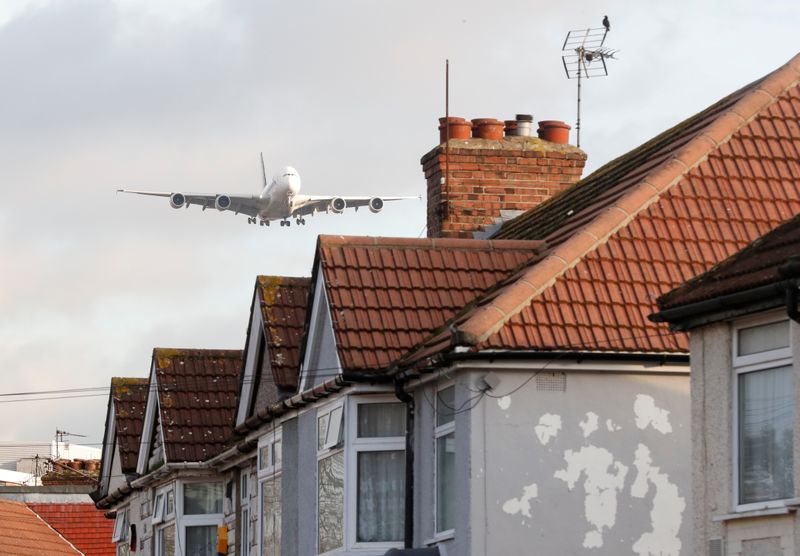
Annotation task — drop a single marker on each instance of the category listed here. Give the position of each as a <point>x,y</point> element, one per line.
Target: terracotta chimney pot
<point>459,128</point>
<point>487,128</point>
<point>554,131</point>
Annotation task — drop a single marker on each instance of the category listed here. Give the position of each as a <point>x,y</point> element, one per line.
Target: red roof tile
<point>645,223</point>
<point>386,294</point>
<point>130,399</point>
<point>283,306</point>
<point>197,391</point>
<point>24,533</point>
<point>754,266</point>
<point>81,524</point>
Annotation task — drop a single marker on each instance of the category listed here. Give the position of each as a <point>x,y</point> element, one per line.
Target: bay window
<point>201,514</point>
<point>379,453</point>
<point>445,439</point>
<point>164,521</point>
<point>269,477</point>
<point>764,388</point>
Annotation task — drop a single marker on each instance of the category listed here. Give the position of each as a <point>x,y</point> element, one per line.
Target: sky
<point>182,95</point>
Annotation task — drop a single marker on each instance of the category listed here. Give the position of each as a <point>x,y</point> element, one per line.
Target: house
<point>743,320</point>
<point>26,534</point>
<point>482,396</point>
<point>171,499</point>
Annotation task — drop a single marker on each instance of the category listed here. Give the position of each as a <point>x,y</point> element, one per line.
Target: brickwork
<point>487,176</point>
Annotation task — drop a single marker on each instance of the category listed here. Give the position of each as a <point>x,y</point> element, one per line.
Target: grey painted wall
<point>713,428</point>
<point>307,484</point>
<point>603,465</point>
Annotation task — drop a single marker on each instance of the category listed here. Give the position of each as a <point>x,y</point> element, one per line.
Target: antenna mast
<point>584,56</point>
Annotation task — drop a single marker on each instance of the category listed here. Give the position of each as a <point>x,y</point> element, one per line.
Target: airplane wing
<point>314,203</point>
<point>249,205</point>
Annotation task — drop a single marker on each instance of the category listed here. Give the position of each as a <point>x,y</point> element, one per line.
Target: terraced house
<point>488,396</point>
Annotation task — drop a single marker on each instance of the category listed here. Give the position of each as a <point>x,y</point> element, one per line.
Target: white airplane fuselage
<point>280,196</point>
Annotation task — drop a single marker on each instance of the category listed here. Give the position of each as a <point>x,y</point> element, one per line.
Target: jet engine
<point>177,200</point>
<point>375,204</point>
<point>222,202</point>
<point>337,205</point>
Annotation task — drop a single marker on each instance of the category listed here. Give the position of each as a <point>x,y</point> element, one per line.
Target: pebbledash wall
<point>580,457</point>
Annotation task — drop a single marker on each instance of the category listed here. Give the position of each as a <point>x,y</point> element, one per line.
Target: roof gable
<point>272,349</point>
<point>192,403</point>
<point>83,525</point>
<point>387,294</point>
<point>692,203</point>
<point>129,399</point>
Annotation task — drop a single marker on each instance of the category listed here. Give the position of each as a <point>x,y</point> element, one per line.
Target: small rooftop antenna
<point>584,55</point>
<point>61,435</point>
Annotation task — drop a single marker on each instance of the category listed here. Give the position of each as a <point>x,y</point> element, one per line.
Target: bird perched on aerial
<point>606,23</point>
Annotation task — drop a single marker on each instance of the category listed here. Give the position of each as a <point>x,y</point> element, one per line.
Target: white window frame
<point>121,524</point>
<point>195,520</point>
<point>354,445</point>
<point>267,470</point>
<point>161,511</point>
<point>334,443</point>
<point>743,364</point>
<point>438,432</point>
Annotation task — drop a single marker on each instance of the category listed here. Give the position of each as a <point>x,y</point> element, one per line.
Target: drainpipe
<point>408,518</point>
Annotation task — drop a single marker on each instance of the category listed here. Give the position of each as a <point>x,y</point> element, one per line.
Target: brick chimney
<point>493,179</point>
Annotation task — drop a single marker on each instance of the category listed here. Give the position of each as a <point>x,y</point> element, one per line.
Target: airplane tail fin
<point>263,171</point>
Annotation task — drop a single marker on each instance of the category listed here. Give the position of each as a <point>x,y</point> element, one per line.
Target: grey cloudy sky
<point>182,95</point>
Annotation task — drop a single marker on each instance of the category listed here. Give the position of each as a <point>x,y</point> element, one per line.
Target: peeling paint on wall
<point>648,414</point>
<point>589,425</point>
<point>523,503</point>
<point>504,403</point>
<point>548,427</point>
<point>666,513</point>
<point>604,478</point>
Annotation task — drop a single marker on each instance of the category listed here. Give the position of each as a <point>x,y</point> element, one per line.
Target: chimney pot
<point>487,128</point>
<point>459,128</point>
<point>554,131</point>
<point>511,128</point>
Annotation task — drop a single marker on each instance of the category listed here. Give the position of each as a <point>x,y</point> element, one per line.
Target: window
<point>330,479</point>
<point>379,455</point>
<point>445,448</point>
<point>158,509</point>
<point>165,540</point>
<point>200,515</point>
<point>163,511</point>
<point>765,413</point>
<point>269,478</point>
<point>244,522</point>
<point>120,526</point>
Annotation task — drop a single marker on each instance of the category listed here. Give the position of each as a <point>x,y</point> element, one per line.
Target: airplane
<point>279,200</point>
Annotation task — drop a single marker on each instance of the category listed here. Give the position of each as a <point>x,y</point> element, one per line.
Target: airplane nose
<point>294,184</point>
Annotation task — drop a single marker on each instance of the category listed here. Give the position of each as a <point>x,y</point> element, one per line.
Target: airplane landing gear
<point>301,221</point>
<point>285,223</point>
<point>251,220</point>
<point>263,222</point>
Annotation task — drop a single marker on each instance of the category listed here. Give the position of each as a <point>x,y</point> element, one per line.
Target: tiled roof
<point>283,307</point>
<point>197,390</point>
<point>644,224</point>
<point>81,524</point>
<point>755,265</point>
<point>24,533</point>
<point>387,294</point>
<point>130,399</point>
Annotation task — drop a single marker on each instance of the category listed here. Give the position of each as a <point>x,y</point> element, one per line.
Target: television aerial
<point>584,56</point>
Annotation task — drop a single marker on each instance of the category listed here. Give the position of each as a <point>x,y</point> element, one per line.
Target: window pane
<point>381,419</point>
<point>276,452</point>
<point>202,498</point>
<point>766,337</point>
<point>201,540</point>
<point>322,430</point>
<point>271,517</point>
<point>445,481</point>
<point>331,502</point>
<point>445,406</point>
<point>766,413</point>
<point>334,428</point>
<point>381,481</point>
<point>263,457</point>
<point>170,502</point>
<point>166,541</point>
<point>244,534</point>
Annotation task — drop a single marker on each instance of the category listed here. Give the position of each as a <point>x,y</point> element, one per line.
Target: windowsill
<point>782,508</point>
<point>441,537</point>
